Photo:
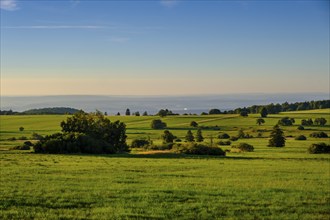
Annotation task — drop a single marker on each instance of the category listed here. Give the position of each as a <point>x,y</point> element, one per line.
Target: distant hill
<point>51,111</point>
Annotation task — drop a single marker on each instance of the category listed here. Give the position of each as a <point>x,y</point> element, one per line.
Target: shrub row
<point>198,149</point>
<point>320,148</point>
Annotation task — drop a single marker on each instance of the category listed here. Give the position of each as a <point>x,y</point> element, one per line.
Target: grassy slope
<point>273,183</point>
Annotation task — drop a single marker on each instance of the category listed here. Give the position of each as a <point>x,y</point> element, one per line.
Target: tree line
<point>254,109</point>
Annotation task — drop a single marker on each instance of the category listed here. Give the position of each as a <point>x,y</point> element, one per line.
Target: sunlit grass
<point>269,183</point>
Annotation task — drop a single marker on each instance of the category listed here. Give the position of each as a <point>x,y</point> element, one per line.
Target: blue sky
<point>163,47</point>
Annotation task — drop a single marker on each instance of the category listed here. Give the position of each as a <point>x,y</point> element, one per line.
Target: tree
<point>199,136</point>
<point>137,113</point>
<point>241,134</point>
<point>168,137</point>
<point>286,121</point>
<point>308,122</point>
<point>128,112</point>
<point>277,138</point>
<point>260,121</point>
<point>263,112</point>
<point>118,113</point>
<point>320,121</point>
<point>193,124</point>
<point>164,112</point>
<point>21,128</point>
<point>214,111</point>
<point>145,113</point>
<point>244,113</point>
<point>158,124</point>
<point>190,136</point>
<point>86,133</point>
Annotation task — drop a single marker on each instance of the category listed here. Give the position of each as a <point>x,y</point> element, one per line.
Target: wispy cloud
<point>74,3</point>
<point>56,27</point>
<point>9,5</point>
<point>168,3</point>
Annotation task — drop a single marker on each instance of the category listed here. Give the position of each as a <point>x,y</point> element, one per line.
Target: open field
<point>269,183</point>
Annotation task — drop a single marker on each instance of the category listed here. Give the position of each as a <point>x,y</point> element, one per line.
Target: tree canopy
<point>86,133</point>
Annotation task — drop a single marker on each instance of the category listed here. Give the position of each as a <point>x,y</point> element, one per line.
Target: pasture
<point>269,183</point>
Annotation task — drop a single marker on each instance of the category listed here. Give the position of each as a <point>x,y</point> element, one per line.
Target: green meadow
<point>269,183</point>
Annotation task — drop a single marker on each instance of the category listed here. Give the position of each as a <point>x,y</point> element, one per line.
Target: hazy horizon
<point>152,104</point>
<point>163,47</point>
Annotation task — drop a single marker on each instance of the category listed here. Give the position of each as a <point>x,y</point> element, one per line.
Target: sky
<point>163,47</point>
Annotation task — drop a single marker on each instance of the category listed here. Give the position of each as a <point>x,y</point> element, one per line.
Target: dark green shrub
<point>36,136</point>
<point>307,122</point>
<point>277,138</point>
<point>138,143</point>
<point>23,138</point>
<point>178,140</point>
<point>198,149</point>
<point>12,139</point>
<point>244,147</point>
<point>223,136</point>
<point>224,143</point>
<point>214,111</point>
<point>319,134</point>
<point>165,146</point>
<point>194,124</point>
<point>286,121</point>
<point>158,124</point>
<point>300,127</point>
<point>320,148</point>
<point>168,137</point>
<point>233,138</point>
<point>26,146</point>
<point>300,138</point>
<point>60,143</point>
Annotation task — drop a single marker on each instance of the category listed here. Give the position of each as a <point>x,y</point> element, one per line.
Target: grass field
<point>269,183</point>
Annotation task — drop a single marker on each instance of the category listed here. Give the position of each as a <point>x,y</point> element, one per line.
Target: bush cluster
<point>224,143</point>
<point>26,146</point>
<point>320,148</point>
<point>223,136</point>
<point>233,138</point>
<point>243,147</point>
<point>158,124</point>
<point>62,143</point>
<point>165,146</point>
<point>319,134</point>
<point>140,143</point>
<point>300,127</point>
<point>300,138</point>
<point>198,149</point>
<point>86,133</point>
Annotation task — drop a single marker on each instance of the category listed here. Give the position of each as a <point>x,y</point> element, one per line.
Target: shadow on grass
<point>171,155</point>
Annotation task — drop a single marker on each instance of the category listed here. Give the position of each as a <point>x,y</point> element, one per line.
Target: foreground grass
<point>270,183</point>
<point>163,186</point>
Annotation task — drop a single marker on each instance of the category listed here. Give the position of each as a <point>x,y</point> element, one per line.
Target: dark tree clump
<point>190,136</point>
<point>320,148</point>
<point>194,124</point>
<point>320,121</point>
<point>277,138</point>
<point>223,136</point>
<point>168,137</point>
<point>86,133</point>
<point>214,112</point>
<point>199,136</point>
<point>244,113</point>
<point>263,112</point>
<point>286,121</point>
<point>260,121</point>
<point>158,124</point>
<point>128,112</point>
